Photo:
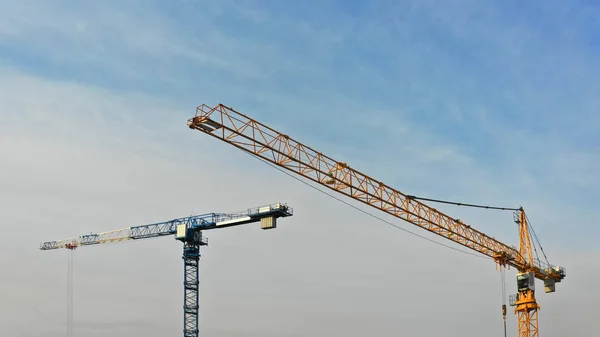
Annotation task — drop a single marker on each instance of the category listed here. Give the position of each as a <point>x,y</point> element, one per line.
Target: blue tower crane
<point>189,231</point>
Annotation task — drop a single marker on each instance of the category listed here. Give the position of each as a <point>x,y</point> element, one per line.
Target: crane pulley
<point>251,136</point>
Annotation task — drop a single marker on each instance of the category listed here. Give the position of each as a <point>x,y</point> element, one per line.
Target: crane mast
<point>226,124</point>
<point>188,230</point>
<point>526,306</point>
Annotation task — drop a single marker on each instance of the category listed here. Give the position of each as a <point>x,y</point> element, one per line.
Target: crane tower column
<point>192,240</point>
<point>527,314</point>
<point>526,304</point>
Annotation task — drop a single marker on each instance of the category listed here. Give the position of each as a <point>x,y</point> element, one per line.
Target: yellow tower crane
<point>249,135</point>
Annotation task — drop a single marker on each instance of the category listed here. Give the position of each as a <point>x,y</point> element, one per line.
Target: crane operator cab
<point>525,281</point>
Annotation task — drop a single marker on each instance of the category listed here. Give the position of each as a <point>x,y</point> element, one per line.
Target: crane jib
<point>243,132</point>
<point>249,135</point>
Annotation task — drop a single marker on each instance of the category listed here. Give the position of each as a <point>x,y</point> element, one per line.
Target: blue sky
<point>492,103</point>
<point>458,70</point>
<point>507,89</point>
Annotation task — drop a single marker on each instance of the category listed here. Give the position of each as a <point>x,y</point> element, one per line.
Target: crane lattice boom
<point>205,222</point>
<point>243,132</point>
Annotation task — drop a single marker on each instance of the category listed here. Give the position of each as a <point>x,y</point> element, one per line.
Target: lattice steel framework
<point>205,221</point>
<point>249,135</point>
<point>191,257</point>
<point>189,231</point>
<point>527,314</point>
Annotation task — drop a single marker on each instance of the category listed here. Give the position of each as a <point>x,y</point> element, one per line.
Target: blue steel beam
<point>204,222</point>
